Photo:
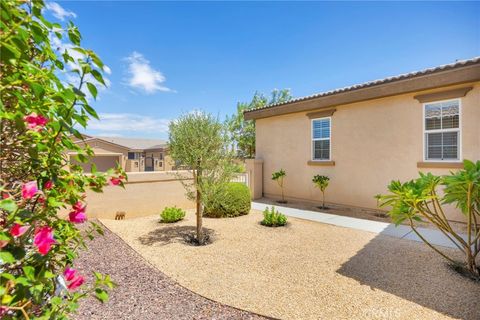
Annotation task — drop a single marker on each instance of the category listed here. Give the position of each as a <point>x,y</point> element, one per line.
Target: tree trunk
<point>323,200</point>
<point>200,237</point>
<point>199,219</point>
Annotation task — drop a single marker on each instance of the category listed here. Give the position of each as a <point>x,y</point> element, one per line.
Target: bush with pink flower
<point>41,110</point>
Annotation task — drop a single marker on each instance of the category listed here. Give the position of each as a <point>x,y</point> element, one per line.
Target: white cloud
<point>58,11</point>
<point>107,69</point>
<point>143,76</point>
<point>123,122</point>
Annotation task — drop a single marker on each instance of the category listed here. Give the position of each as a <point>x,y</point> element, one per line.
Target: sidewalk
<point>403,232</point>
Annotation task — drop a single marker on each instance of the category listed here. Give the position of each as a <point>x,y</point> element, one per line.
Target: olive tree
<point>420,200</point>
<point>199,142</point>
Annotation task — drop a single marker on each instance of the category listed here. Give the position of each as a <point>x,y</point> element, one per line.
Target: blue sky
<point>167,58</point>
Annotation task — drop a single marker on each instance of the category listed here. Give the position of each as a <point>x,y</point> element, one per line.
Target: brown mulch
<point>143,291</point>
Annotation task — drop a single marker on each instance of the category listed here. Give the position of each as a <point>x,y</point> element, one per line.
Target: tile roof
<point>134,143</point>
<point>456,64</point>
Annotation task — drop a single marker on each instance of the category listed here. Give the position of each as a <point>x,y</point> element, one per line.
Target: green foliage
<point>419,200</point>
<point>279,176</point>
<point>243,131</point>
<point>233,202</point>
<point>199,141</point>
<point>273,218</point>
<point>321,182</point>
<point>40,110</point>
<point>172,214</point>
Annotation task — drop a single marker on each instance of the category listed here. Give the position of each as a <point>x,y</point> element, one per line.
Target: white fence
<point>242,178</point>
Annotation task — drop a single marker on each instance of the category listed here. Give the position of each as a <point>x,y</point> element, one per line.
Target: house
<point>135,155</point>
<point>366,135</point>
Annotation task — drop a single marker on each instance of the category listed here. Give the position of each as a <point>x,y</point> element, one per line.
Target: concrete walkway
<point>403,232</point>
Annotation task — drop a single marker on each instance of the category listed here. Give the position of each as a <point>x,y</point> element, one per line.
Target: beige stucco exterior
<point>372,142</point>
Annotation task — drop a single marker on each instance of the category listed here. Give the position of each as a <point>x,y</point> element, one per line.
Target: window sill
<point>440,164</point>
<point>321,163</point>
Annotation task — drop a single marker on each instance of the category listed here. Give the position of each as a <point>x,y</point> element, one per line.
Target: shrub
<point>172,214</point>
<point>279,176</point>
<point>233,202</point>
<point>273,218</point>
<point>419,200</point>
<point>321,182</point>
<point>41,109</point>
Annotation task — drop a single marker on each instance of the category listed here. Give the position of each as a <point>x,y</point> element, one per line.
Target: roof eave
<point>458,75</point>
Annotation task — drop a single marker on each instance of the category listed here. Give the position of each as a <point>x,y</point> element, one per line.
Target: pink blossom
<point>48,185</point>
<point>35,122</point>
<point>5,195</point>
<point>76,282</point>
<point>78,214</point>
<point>114,181</point>
<point>29,189</point>
<point>18,230</point>
<point>44,239</point>
<point>69,273</point>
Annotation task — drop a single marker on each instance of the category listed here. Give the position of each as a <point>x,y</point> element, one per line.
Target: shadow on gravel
<point>396,267</point>
<point>171,234</point>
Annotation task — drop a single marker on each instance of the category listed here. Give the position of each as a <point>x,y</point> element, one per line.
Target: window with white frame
<point>442,130</point>
<point>321,139</point>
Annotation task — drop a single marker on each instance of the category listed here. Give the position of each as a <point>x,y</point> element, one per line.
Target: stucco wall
<point>145,193</point>
<point>373,142</point>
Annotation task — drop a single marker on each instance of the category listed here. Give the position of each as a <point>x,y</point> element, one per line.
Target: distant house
<point>365,135</point>
<point>135,155</point>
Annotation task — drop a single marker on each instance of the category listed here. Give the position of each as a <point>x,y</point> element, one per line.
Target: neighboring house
<point>135,155</point>
<point>366,135</point>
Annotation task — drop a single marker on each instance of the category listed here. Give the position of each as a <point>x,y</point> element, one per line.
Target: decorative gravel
<point>306,270</point>
<point>143,291</point>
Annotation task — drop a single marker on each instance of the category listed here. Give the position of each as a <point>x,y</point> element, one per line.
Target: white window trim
<point>443,130</point>
<point>312,145</point>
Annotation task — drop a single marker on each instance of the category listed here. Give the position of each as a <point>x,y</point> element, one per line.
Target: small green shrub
<point>234,201</point>
<point>172,214</point>
<point>273,218</point>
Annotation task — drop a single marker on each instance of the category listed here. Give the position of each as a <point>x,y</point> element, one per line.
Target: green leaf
<point>6,257</point>
<point>29,272</point>
<point>101,295</point>
<point>93,90</point>
<point>8,205</point>
<point>98,76</point>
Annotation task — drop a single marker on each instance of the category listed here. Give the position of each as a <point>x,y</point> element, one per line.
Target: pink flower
<point>35,122</point>
<point>48,185</point>
<point>78,214</point>
<point>114,181</point>
<point>5,195</point>
<point>29,189</point>
<point>18,230</point>
<point>44,239</point>
<point>77,282</point>
<point>69,273</point>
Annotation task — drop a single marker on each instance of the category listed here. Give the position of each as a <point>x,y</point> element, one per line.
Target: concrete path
<point>403,232</point>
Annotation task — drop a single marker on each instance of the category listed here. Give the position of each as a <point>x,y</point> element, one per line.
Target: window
<point>442,130</point>
<point>321,139</point>
<point>131,155</point>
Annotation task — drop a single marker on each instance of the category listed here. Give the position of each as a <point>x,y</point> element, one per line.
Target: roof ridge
<point>402,76</point>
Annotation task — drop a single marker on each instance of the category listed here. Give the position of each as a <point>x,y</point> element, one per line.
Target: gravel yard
<point>143,292</point>
<point>306,270</point>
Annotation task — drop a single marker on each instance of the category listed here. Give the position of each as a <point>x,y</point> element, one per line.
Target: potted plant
<point>321,182</point>
<point>279,176</point>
